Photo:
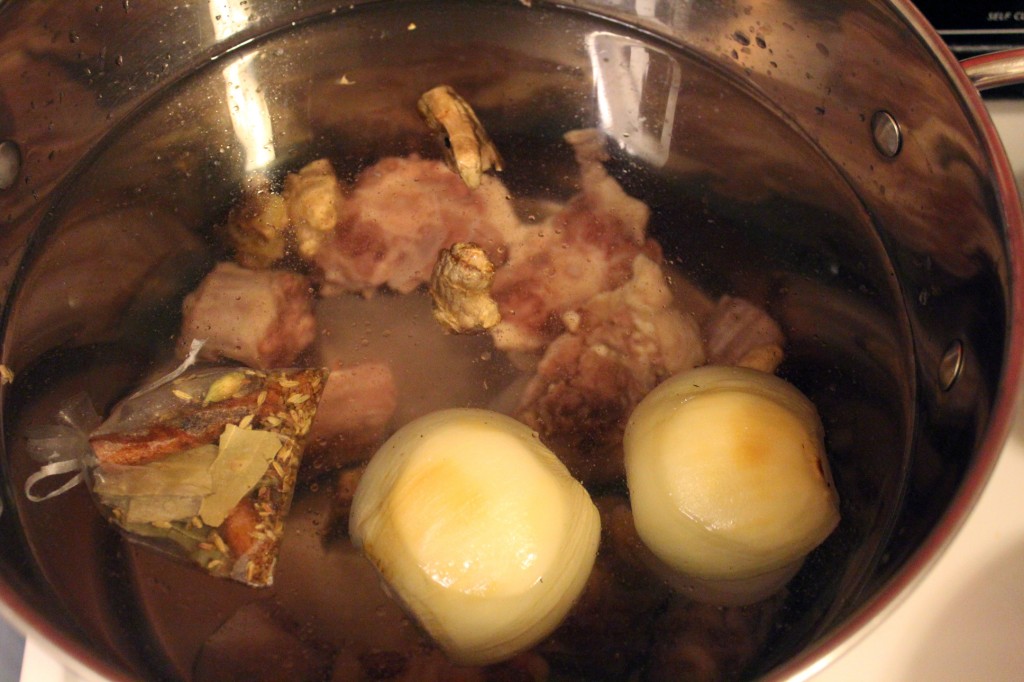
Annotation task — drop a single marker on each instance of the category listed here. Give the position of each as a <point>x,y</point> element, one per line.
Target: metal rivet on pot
<point>887,134</point>
<point>10,164</point>
<point>951,364</point>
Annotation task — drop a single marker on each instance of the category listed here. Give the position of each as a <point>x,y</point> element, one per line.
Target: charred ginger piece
<point>585,248</point>
<point>267,226</point>
<point>204,467</point>
<point>355,411</point>
<point>467,147</point>
<point>314,203</point>
<point>739,333</point>
<point>617,347</point>
<point>262,318</point>
<point>258,228</point>
<point>460,288</point>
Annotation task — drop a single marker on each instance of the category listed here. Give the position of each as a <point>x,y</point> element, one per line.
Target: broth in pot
<point>635,232</point>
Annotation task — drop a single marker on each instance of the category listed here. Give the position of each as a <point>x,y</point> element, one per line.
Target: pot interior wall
<point>743,203</point>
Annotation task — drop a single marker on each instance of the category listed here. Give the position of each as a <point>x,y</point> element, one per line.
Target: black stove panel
<point>972,27</point>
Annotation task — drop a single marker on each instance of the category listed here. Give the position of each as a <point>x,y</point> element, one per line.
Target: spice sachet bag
<point>203,465</point>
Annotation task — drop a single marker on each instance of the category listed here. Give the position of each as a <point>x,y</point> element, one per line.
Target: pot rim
<point>857,627</point>
<point>815,658</point>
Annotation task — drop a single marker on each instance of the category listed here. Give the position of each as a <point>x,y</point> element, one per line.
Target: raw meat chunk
<point>400,214</point>
<point>586,247</point>
<point>357,403</point>
<point>618,347</point>
<point>262,318</point>
<point>355,410</point>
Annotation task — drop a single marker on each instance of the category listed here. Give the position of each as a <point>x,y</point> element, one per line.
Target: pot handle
<point>995,69</point>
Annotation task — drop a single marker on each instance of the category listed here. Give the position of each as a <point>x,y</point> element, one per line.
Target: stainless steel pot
<point>831,159</point>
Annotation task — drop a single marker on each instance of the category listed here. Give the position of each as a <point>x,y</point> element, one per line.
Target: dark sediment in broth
<point>531,75</point>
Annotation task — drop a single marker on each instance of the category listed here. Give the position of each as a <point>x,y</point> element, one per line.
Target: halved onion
<point>478,529</point>
<point>729,481</point>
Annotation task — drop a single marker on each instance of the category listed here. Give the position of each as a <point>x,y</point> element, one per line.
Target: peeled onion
<point>478,529</point>
<point>729,481</point>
